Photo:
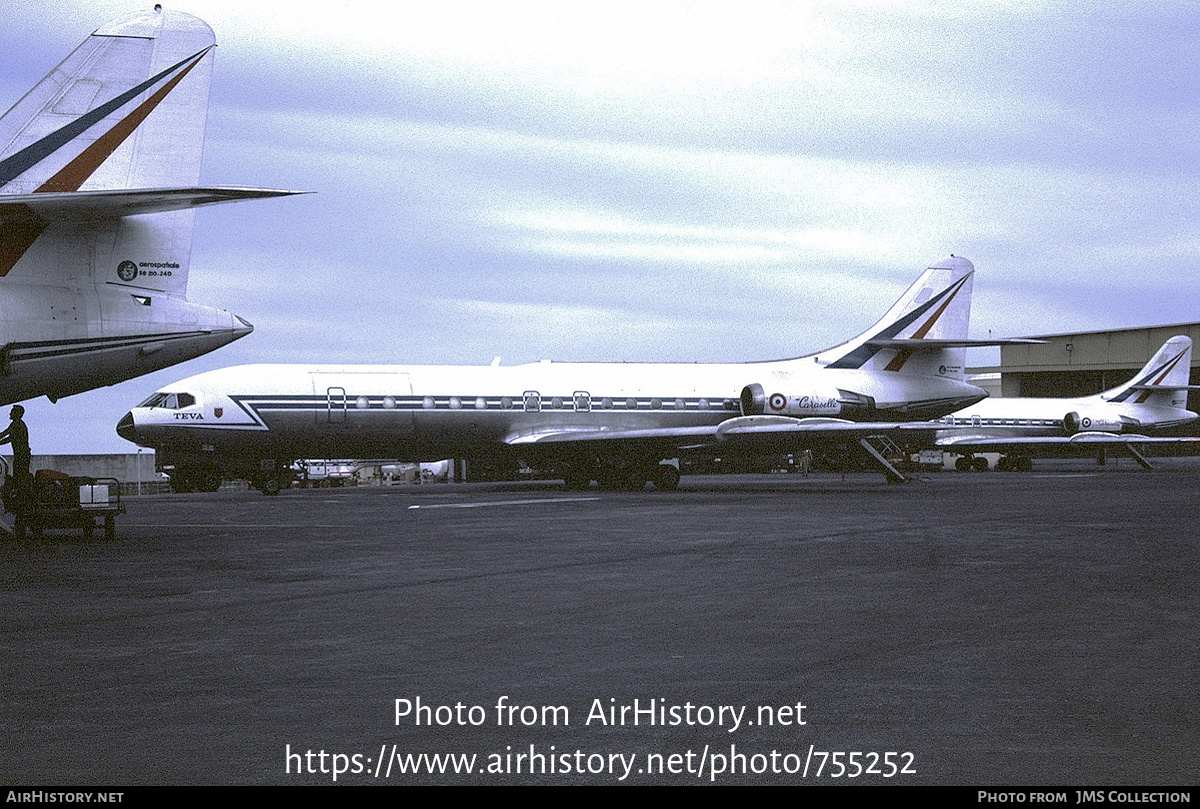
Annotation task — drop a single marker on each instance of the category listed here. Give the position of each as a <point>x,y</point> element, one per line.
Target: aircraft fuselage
<point>1036,417</point>
<point>420,413</point>
<point>60,340</point>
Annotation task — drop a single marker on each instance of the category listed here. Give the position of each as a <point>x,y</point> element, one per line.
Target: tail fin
<point>126,110</point>
<point>925,331</point>
<point>1163,381</point>
<point>72,131</point>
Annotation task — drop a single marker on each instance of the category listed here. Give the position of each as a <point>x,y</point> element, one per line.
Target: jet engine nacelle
<point>1076,422</point>
<point>818,401</point>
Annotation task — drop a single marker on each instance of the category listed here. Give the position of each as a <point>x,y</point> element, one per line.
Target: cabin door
<point>363,402</point>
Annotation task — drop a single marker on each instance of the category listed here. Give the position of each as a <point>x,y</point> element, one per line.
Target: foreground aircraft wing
<point>118,203</point>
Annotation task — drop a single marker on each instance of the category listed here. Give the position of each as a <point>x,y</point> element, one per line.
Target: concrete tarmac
<point>998,629</point>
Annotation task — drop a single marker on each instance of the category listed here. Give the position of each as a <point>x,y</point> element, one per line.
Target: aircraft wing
<point>783,434</point>
<point>1063,446</point>
<point>1001,443</point>
<point>114,204</point>
<point>747,433</point>
<point>985,443</point>
<point>678,437</point>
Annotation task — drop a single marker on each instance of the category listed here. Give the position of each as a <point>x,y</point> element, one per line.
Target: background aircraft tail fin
<point>126,110</point>
<point>924,332</point>
<point>1163,381</point>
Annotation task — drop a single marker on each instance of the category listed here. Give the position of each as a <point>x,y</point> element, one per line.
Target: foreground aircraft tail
<point>99,165</point>
<point>1163,381</point>
<point>925,331</point>
<point>115,131</point>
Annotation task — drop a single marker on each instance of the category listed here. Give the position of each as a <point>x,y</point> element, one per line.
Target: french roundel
<point>777,401</point>
<point>1087,422</point>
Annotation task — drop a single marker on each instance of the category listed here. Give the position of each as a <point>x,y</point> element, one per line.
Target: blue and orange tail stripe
<point>1154,377</point>
<point>904,355</point>
<point>21,226</point>
<point>859,356</point>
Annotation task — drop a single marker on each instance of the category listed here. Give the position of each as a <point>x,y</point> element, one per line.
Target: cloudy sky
<point>666,181</point>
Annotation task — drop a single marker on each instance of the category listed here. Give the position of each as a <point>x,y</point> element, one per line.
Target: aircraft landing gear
<point>188,479</point>
<point>270,480</point>
<point>625,477</point>
<point>666,477</point>
<point>1014,463</point>
<point>971,463</point>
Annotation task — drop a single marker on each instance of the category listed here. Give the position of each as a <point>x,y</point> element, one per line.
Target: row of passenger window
<point>532,401</point>
<point>976,421</point>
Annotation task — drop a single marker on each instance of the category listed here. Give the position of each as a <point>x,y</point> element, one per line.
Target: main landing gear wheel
<point>209,480</point>
<point>971,463</point>
<point>666,478</point>
<point>1014,463</point>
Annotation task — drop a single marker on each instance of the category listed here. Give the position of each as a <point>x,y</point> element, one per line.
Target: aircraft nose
<point>125,427</point>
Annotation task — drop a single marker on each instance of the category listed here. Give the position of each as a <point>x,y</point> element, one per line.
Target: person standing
<point>17,434</point>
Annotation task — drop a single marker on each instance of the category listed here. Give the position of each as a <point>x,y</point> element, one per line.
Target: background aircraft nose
<point>125,426</point>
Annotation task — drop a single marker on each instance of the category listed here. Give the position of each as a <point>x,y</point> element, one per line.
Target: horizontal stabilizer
<point>118,203</point>
<point>1164,387</point>
<point>935,345</point>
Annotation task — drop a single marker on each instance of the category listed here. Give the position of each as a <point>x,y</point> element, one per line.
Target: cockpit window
<point>170,401</point>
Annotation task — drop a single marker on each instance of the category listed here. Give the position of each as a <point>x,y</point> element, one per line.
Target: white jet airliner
<point>1024,427</point>
<point>613,422</point>
<point>99,165</point>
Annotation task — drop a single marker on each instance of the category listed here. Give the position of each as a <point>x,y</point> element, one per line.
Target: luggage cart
<point>56,500</point>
